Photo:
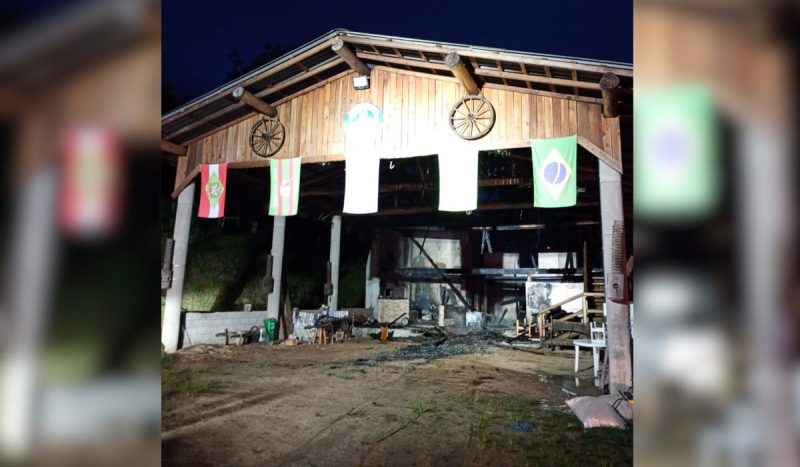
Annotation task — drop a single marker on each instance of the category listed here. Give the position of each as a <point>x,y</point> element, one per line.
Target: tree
<point>268,53</point>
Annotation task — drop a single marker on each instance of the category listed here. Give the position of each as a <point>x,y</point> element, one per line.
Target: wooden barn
<point>433,97</point>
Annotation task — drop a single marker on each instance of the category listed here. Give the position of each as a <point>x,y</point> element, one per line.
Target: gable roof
<point>314,62</point>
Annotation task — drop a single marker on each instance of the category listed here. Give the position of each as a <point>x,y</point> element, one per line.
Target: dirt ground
<point>325,406</point>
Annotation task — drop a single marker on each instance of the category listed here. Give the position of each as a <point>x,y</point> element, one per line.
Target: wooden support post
<point>609,85</point>
<point>173,148</point>
<point>587,275</point>
<point>618,330</point>
<point>336,234</point>
<point>170,330</point>
<point>460,71</point>
<point>585,302</point>
<point>244,96</point>
<point>540,324</point>
<point>343,51</point>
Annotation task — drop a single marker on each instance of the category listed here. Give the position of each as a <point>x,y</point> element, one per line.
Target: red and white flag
<point>212,194</point>
<point>91,179</point>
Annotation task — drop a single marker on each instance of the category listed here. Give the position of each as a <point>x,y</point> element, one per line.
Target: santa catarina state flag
<point>554,172</point>
<point>284,192</point>
<point>212,195</point>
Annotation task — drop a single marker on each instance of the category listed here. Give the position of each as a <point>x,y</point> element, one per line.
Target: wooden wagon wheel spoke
<point>462,124</point>
<point>470,106</point>
<point>478,110</point>
<point>478,127</point>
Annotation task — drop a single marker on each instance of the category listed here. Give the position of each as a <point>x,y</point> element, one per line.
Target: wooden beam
<point>276,103</point>
<point>242,95</point>
<point>173,148</point>
<point>609,84</point>
<point>575,78</point>
<point>343,51</point>
<point>549,74</point>
<point>416,186</point>
<point>481,207</point>
<point>525,70</point>
<point>460,71</point>
<point>599,153</point>
<point>401,61</point>
<point>225,92</point>
<point>186,181</point>
<point>490,55</point>
<point>269,90</point>
<point>305,69</point>
<point>420,74</point>
<point>569,97</point>
<point>499,68</point>
<point>537,79</point>
<point>399,55</point>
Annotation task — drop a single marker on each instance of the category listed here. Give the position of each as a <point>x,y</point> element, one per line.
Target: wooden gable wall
<point>415,108</point>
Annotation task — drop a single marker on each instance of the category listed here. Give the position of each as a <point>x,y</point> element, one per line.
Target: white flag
<point>458,178</point>
<point>362,163</point>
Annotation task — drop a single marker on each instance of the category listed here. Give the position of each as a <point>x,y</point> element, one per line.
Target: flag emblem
<point>214,189</point>
<point>555,173</point>
<point>212,198</point>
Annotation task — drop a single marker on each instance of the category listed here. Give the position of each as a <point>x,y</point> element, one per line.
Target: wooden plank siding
<point>415,108</point>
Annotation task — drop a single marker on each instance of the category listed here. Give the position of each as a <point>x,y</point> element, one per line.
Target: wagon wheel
<point>472,117</point>
<point>267,136</point>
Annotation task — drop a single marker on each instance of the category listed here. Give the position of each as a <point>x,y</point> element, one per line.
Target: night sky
<point>198,34</point>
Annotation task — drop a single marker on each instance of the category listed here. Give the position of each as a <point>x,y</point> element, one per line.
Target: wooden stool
<point>320,336</point>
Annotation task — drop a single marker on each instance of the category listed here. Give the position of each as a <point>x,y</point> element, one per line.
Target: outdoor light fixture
<point>361,82</point>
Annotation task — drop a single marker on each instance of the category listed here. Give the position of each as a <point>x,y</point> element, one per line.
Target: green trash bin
<point>269,325</point>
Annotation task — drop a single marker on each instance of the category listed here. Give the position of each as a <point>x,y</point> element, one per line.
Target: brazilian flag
<point>555,172</point>
<point>675,153</point>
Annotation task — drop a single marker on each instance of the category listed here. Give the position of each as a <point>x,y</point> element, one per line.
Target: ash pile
<point>446,345</point>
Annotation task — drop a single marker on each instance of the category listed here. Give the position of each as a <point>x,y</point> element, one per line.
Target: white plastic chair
<point>596,341</point>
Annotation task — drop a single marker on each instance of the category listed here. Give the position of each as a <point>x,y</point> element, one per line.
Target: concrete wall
<point>200,328</point>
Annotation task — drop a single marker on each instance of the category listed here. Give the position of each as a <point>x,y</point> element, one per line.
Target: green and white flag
<point>675,152</point>
<point>555,172</point>
<point>284,192</point>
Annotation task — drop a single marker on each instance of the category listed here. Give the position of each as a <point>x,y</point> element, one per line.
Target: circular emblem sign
<point>363,115</point>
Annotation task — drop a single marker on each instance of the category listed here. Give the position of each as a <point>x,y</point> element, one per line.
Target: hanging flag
<point>284,192</point>
<point>554,172</point>
<point>676,153</point>
<point>212,196</point>
<point>91,179</point>
<point>362,125</point>
<point>458,178</point>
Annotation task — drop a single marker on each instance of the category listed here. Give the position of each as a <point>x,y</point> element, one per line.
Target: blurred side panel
<point>716,356</point>
<point>80,110</point>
